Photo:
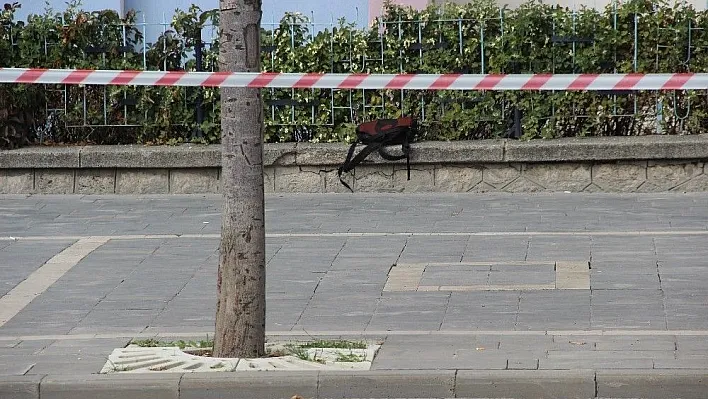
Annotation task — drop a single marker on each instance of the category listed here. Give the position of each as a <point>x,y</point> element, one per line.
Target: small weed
<point>299,352</point>
<point>339,344</point>
<point>146,343</point>
<point>350,357</point>
<point>152,343</point>
<point>118,367</point>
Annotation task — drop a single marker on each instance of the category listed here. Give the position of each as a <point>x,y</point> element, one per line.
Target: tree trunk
<point>240,307</point>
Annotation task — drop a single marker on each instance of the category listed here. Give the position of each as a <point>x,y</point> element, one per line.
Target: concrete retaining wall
<point>613,164</point>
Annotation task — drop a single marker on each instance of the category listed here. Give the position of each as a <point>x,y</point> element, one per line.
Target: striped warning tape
<point>566,82</point>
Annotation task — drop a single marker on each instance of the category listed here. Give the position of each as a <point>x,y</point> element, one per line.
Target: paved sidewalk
<point>604,290</point>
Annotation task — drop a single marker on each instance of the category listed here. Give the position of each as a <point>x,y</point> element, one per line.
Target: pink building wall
<point>376,5</point>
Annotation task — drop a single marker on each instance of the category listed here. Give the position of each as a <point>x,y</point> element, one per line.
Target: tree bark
<point>240,307</point>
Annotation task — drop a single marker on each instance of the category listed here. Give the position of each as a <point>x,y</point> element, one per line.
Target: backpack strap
<point>349,164</point>
<point>406,149</point>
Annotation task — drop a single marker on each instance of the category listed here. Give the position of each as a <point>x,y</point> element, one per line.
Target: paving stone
<point>15,365</point>
<point>527,274</point>
<point>496,249</point>
<point>621,279</point>
<point>628,309</point>
<point>482,311</point>
<point>387,384</point>
<point>595,364</point>
<point>558,310</point>
<point>20,387</point>
<point>690,364</point>
<point>83,364</point>
<point>691,343</point>
<point>109,386</point>
<point>611,355</point>
<point>455,275</point>
<point>439,359</point>
<point>651,384</point>
<point>522,364</point>
<point>248,385</point>
<point>311,322</point>
<point>85,347</point>
<point>525,384</point>
<point>635,343</point>
<point>512,344</point>
<point>32,347</point>
<point>409,313</point>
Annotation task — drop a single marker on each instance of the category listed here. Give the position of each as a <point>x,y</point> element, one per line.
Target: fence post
<point>200,95</point>
<point>516,130</point>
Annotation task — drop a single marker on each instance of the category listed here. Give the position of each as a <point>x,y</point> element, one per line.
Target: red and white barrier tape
<point>566,82</point>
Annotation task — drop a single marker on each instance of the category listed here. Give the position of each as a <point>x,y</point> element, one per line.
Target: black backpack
<point>376,136</point>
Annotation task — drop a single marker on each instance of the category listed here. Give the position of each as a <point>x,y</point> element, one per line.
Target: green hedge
<point>533,38</point>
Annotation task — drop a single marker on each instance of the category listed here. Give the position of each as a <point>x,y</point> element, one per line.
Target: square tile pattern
<point>489,276</point>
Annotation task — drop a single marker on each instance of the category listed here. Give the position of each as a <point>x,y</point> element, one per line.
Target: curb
<point>517,384</point>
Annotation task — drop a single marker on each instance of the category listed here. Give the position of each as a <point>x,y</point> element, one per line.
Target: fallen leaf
<point>480,348</point>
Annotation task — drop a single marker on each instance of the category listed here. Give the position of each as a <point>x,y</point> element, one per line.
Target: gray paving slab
<point>313,322</point>
<point>554,309</point>
<point>576,248</point>
<point>19,259</point>
<point>33,347</point>
<point>525,384</point>
<point>20,387</point>
<point>596,364</point>
<point>526,274</point>
<point>84,347</point>
<point>9,343</point>
<point>81,364</point>
<point>511,344</point>
<point>16,364</point>
<point>686,364</point>
<point>440,358</point>
<point>111,319</point>
<point>480,249</point>
<point>618,309</point>
<point>651,384</point>
<point>409,312</point>
<point>248,385</point>
<point>691,343</point>
<point>617,343</point>
<point>455,275</point>
<point>621,278</point>
<point>387,384</point>
<point>482,311</point>
<point>522,364</point>
<point>642,285</point>
<point>111,386</point>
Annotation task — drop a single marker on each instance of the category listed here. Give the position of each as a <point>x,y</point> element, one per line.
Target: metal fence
<point>300,113</point>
